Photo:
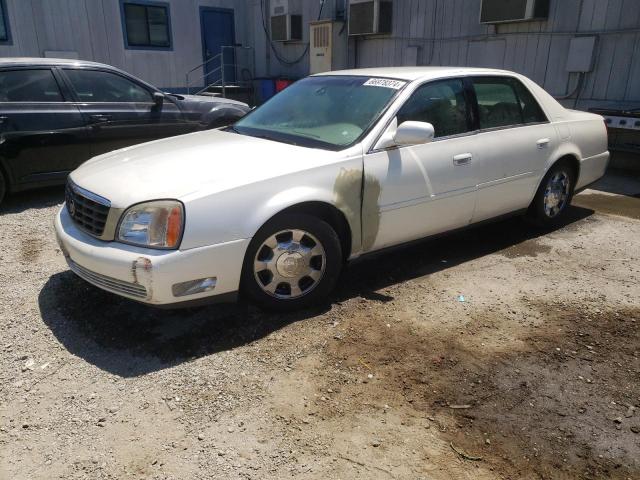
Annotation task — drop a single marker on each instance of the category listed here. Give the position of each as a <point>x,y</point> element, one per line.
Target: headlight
<point>156,224</point>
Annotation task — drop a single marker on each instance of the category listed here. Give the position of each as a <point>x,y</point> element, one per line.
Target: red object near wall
<point>282,83</point>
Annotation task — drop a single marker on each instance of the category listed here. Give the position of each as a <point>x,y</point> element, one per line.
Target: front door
<point>425,189</point>
<point>218,31</point>
<point>42,134</point>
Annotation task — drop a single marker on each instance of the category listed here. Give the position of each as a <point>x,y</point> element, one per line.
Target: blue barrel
<point>266,89</point>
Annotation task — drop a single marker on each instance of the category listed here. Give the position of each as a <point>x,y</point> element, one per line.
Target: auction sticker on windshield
<point>384,82</point>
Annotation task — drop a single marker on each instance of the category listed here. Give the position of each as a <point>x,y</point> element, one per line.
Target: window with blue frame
<point>4,22</point>
<point>147,24</point>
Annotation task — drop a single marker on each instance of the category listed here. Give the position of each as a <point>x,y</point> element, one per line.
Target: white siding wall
<point>448,32</point>
<point>93,29</point>
<point>266,62</point>
<point>426,32</point>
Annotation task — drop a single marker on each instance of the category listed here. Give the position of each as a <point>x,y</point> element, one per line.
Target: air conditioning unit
<point>286,20</point>
<point>370,17</point>
<point>503,11</point>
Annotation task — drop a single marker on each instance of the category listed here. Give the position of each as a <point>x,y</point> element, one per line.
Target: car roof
<point>41,61</point>
<point>63,62</point>
<point>417,73</point>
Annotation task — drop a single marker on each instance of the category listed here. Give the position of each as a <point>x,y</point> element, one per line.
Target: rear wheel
<point>554,195</point>
<point>292,262</point>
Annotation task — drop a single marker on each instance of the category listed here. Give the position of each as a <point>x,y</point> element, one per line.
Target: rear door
<point>121,111</point>
<point>42,133</point>
<point>514,141</point>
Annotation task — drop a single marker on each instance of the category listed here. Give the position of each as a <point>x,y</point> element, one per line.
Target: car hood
<point>204,103</point>
<point>193,165</point>
<point>208,99</point>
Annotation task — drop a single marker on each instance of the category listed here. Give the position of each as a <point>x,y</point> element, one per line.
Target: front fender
<point>240,212</point>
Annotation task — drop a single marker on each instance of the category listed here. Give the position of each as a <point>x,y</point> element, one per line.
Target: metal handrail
<point>221,68</point>
<point>215,57</point>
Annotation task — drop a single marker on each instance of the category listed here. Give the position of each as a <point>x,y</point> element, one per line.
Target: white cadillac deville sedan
<point>336,166</point>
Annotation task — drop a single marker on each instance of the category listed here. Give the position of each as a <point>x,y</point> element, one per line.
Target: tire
<point>3,186</point>
<point>550,204</point>
<point>292,262</point>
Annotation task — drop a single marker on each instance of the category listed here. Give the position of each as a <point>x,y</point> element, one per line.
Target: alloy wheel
<point>556,193</point>
<point>289,264</point>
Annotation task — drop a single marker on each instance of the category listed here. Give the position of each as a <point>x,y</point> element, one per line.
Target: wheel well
<point>329,214</point>
<point>572,161</point>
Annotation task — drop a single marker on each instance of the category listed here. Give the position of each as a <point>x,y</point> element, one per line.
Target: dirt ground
<point>535,375</point>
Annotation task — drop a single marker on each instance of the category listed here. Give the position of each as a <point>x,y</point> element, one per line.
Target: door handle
<point>3,119</point>
<point>462,159</point>
<point>99,118</point>
<point>543,143</point>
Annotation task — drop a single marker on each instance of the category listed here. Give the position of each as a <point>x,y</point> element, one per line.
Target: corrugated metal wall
<point>93,28</point>
<point>267,63</point>
<point>425,32</point>
<point>448,32</point>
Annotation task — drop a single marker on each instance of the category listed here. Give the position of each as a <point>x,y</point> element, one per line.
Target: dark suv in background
<point>55,114</point>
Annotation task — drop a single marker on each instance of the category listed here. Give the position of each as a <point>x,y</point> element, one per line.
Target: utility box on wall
<point>328,48</point>
<point>581,54</point>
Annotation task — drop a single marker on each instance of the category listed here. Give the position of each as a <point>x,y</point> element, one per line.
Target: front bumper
<point>148,275</point>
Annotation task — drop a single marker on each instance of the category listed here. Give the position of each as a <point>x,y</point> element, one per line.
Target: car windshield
<point>330,112</point>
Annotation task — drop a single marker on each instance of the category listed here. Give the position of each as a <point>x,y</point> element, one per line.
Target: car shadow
<point>424,257</point>
<point>41,198</point>
<point>130,339</point>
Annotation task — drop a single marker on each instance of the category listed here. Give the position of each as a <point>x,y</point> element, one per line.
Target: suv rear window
<point>97,86</point>
<point>29,86</point>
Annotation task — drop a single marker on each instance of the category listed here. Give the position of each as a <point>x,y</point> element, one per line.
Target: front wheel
<point>553,196</point>
<point>292,262</point>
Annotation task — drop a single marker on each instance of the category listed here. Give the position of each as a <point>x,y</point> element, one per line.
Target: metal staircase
<point>227,78</point>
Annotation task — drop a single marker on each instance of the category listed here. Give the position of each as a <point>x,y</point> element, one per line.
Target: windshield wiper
<point>306,134</point>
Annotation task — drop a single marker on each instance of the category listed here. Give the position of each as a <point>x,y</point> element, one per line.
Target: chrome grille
<point>88,210</point>
<point>108,283</point>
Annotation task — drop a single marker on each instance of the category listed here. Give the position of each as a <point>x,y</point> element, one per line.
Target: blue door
<point>218,31</point>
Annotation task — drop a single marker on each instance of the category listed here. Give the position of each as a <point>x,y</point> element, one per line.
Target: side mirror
<point>413,133</point>
<point>158,98</point>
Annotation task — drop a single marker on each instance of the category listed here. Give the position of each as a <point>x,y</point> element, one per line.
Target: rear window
<point>29,86</point>
<point>504,102</point>
<point>531,110</point>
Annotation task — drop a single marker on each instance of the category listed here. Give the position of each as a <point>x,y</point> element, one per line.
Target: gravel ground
<point>536,374</point>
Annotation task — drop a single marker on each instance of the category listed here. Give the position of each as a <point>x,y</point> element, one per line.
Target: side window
<point>29,86</point>
<point>531,111</point>
<point>147,25</point>
<point>96,86</point>
<point>4,23</point>
<point>441,103</point>
<point>498,104</point>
